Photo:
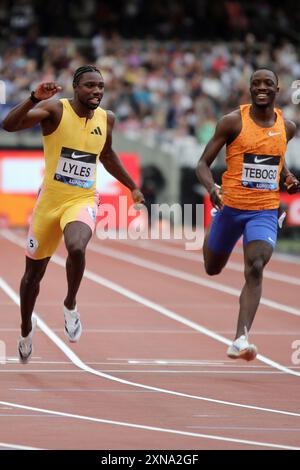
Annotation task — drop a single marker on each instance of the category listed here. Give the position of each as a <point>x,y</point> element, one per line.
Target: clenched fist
<point>292,184</point>
<point>46,90</point>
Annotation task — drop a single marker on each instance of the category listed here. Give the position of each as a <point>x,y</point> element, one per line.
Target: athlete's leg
<point>77,236</point>
<point>213,262</point>
<point>29,289</point>
<point>43,237</point>
<point>224,231</point>
<point>260,236</point>
<point>256,255</point>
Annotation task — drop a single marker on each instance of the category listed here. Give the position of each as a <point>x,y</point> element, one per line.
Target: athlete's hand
<point>292,184</point>
<point>138,198</point>
<point>46,90</point>
<point>215,195</point>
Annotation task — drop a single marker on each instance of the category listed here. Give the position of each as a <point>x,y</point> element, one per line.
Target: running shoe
<point>25,348</point>
<point>73,328</point>
<point>241,349</point>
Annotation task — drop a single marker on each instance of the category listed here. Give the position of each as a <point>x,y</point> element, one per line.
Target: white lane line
<point>184,276</point>
<point>196,258</point>
<point>291,259</point>
<point>153,428</point>
<point>169,313</point>
<point>17,446</point>
<point>142,371</point>
<point>156,307</point>
<point>47,371</point>
<point>80,390</point>
<point>178,372</point>
<point>245,428</point>
<point>179,331</point>
<point>81,365</point>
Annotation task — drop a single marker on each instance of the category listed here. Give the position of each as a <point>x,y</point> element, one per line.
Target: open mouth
<point>262,95</point>
<point>94,101</point>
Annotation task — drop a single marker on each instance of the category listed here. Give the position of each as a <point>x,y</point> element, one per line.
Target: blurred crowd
<point>168,92</point>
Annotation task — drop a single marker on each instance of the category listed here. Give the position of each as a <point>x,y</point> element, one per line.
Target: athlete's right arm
<point>225,131</point>
<point>27,114</point>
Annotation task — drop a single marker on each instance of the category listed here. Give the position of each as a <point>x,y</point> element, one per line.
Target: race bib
<point>260,171</point>
<point>76,168</point>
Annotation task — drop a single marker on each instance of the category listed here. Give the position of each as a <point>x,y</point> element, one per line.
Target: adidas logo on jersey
<point>97,131</point>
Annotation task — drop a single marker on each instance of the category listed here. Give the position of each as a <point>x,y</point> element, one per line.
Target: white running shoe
<point>73,328</point>
<point>25,348</point>
<point>241,349</point>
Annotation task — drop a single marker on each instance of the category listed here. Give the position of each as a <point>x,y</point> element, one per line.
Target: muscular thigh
<point>84,211</point>
<point>224,231</point>
<point>44,232</point>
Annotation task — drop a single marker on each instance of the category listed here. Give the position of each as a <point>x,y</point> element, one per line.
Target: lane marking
<point>18,447</point>
<point>184,276</point>
<point>196,258</point>
<point>152,428</point>
<point>81,365</point>
<point>244,428</point>
<point>156,307</point>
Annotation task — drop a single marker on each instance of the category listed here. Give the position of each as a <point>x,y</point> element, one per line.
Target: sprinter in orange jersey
<point>255,136</point>
<point>77,133</point>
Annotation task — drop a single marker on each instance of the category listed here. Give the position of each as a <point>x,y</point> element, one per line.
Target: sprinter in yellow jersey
<point>76,133</point>
<point>255,137</point>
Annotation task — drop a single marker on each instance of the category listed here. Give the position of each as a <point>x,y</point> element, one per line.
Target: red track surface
<point>134,342</point>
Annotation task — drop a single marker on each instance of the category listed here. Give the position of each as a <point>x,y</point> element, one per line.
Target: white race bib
<point>260,171</point>
<point>76,168</point>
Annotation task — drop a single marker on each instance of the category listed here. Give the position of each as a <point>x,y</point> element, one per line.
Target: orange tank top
<point>254,162</point>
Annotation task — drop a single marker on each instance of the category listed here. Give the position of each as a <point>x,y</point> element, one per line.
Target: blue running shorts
<point>229,224</point>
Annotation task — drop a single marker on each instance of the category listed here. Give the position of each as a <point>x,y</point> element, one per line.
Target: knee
<point>212,270</point>
<point>33,278</point>
<point>76,251</point>
<point>255,269</point>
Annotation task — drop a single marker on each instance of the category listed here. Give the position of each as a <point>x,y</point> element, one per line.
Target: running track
<point>150,370</point>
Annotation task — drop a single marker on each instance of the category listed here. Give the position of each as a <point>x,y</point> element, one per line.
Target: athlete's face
<point>90,89</point>
<point>263,88</point>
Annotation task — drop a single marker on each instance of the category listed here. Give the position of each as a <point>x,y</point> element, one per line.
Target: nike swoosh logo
<point>79,156</point>
<point>260,160</point>
<point>271,134</point>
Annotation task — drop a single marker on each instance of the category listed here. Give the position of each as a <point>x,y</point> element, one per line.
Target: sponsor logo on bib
<point>76,168</point>
<point>260,171</point>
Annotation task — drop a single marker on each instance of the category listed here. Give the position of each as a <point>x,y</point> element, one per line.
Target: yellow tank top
<point>254,161</point>
<point>72,151</point>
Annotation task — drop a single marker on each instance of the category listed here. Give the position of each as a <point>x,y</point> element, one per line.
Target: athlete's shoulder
<point>51,104</point>
<point>234,117</point>
<point>231,123</point>
<point>55,110</point>
<point>111,118</point>
<point>110,115</point>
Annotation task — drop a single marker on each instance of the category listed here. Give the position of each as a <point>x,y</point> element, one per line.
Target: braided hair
<point>81,70</point>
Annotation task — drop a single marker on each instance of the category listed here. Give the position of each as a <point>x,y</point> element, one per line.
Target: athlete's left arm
<point>113,165</point>
<point>290,181</point>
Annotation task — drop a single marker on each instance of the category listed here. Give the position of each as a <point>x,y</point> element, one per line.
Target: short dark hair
<point>265,68</point>
<point>84,69</point>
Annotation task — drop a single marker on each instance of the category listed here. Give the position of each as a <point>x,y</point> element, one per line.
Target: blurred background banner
<point>21,174</point>
<point>171,70</point>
